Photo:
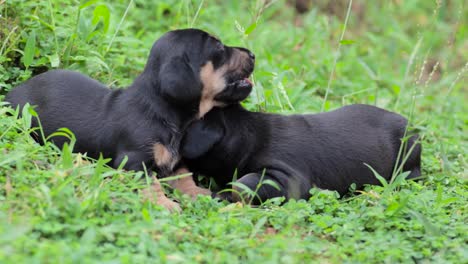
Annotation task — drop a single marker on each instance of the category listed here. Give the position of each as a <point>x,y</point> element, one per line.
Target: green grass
<point>56,207</point>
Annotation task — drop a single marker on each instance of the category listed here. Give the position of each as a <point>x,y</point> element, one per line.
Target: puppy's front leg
<point>186,184</point>
<point>263,186</point>
<point>155,194</point>
<point>166,161</point>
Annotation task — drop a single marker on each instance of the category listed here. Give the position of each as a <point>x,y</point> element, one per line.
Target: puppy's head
<point>196,71</point>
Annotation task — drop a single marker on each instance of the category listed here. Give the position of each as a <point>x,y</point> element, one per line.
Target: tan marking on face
<point>213,83</point>
<point>162,156</point>
<point>239,58</point>
<point>186,184</point>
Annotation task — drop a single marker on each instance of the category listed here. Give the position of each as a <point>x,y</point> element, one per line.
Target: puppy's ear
<point>200,137</point>
<point>178,82</point>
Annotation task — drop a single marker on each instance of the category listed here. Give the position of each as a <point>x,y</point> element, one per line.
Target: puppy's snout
<point>251,55</point>
<point>249,62</point>
<point>248,52</point>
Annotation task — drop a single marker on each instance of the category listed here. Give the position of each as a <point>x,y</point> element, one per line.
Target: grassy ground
<point>406,56</point>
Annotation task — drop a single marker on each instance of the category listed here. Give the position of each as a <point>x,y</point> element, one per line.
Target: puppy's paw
<point>157,197</point>
<point>194,191</point>
<point>170,205</point>
<point>187,186</point>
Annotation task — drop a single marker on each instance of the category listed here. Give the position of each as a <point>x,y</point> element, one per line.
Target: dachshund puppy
<point>187,70</point>
<point>291,154</point>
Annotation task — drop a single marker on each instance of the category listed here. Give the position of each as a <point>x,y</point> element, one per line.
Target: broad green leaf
<point>381,179</point>
<point>54,60</point>
<point>102,12</point>
<point>88,3</point>
<point>67,160</point>
<point>396,89</point>
<point>250,28</point>
<point>258,226</point>
<point>29,49</point>
<point>32,111</point>
<point>399,179</point>
<point>84,28</point>
<point>26,115</point>
<point>347,42</point>
<point>122,163</point>
<point>146,214</point>
<point>272,184</point>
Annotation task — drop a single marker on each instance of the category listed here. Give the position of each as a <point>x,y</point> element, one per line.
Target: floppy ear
<point>200,137</point>
<point>178,82</point>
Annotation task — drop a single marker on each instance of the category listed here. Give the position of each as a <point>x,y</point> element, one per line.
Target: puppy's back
<point>55,84</point>
<point>67,99</point>
<point>332,148</point>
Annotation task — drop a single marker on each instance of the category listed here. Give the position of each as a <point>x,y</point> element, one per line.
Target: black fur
<point>297,152</point>
<point>156,108</point>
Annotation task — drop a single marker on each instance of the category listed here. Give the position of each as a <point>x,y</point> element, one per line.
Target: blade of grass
<point>407,70</point>
<point>332,73</point>
<point>196,14</point>
<point>118,27</point>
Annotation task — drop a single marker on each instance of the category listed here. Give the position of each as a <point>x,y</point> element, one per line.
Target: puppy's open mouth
<point>241,82</point>
<point>236,90</point>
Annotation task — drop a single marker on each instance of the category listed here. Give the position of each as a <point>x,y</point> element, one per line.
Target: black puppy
<point>187,70</point>
<point>297,152</point>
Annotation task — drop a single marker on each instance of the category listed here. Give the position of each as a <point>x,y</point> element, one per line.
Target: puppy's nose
<point>251,55</point>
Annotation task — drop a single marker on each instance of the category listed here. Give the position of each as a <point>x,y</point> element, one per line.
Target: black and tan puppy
<point>187,70</point>
<point>297,152</point>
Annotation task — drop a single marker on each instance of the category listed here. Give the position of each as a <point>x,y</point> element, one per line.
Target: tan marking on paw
<point>155,195</point>
<point>187,186</point>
